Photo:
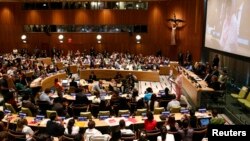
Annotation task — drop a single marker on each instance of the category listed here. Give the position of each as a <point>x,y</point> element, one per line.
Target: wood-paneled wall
<point>189,35</point>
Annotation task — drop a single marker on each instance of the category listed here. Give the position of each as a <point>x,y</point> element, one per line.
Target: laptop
<point>204,121</point>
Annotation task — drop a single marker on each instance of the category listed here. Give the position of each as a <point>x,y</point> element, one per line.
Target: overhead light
<point>23,37</point>
<point>138,39</point>
<point>99,37</point>
<point>60,37</point>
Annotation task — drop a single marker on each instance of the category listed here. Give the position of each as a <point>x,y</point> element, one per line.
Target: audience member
<point>173,103</point>
<point>150,123</point>
<point>54,128</point>
<point>193,119</point>
<point>91,131</point>
<point>186,132</point>
<point>215,119</point>
<point>92,77</point>
<point>22,126</point>
<point>123,129</point>
<point>45,96</point>
<point>71,129</point>
<point>73,83</point>
<point>26,103</point>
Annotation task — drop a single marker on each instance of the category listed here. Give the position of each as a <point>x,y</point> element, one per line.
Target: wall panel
<point>189,37</point>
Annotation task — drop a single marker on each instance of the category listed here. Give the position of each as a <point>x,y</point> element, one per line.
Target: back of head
<point>150,116</point>
<point>91,124</point>
<point>47,90</point>
<point>122,123</point>
<point>52,116</point>
<point>149,90</point>
<point>166,90</point>
<point>214,113</point>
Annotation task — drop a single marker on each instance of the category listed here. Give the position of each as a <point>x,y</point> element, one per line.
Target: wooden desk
<point>110,73</point>
<point>47,82</point>
<point>45,60</point>
<point>193,92</point>
<point>137,120</point>
<point>164,70</point>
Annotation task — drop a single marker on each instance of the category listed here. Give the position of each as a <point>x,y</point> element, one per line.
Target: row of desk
<point>112,121</point>
<point>194,90</point>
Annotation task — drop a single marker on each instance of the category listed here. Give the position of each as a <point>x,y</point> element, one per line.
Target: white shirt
<point>27,130</point>
<point>91,132</point>
<point>127,131</point>
<point>173,103</point>
<point>75,130</point>
<point>96,100</point>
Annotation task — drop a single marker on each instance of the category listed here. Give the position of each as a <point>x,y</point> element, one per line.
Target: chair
<point>164,103</point>
<point>43,106</point>
<point>26,111</point>
<point>94,108</point>
<point>122,112</point>
<point>16,136</point>
<point>67,137</point>
<point>241,94</point>
<point>86,114</point>
<point>79,108</point>
<point>128,137</point>
<point>103,113</point>
<point>158,111</point>
<point>175,109</point>
<point>152,135</point>
<point>48,112</point>
<point>243,101</point>
<point>10,107</point>
<point>140,111</point>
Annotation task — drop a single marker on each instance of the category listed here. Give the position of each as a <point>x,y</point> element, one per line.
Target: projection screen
<point>228,26</point>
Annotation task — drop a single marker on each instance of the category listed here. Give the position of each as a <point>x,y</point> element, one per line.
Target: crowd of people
<point>14,83</point>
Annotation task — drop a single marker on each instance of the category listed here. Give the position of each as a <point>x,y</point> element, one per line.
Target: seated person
<point>54,128</point>
<point>118,77</point>
<point>81,98</point>
<point>215,119</point>
<point>45,96</point>
<point>26,103</point>
<point>92,77</point>
<point>167,96</point>
<point>73,83</point>
<point>173,103</point>
<point>57,85</point>
<point>91,131</point>
<point>214,84</point>
<point>123,129</point>
<point>98,87</point>
<point>71,129</point>
<point>193,120</point>
<point>150,123</point>
<point>148,94</point>
<point>96,99</point>
<point>22,126</point>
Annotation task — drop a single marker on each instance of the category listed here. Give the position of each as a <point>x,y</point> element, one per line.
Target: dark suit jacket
<point>92,77</point>
<point>81,99</point>
<point>74,84</point>
<point>54,129</point>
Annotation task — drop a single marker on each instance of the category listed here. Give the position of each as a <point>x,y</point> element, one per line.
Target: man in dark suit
<point>92,77</point>
<point>81,98</point>
<point>53,128</point>
<point>73,83</point>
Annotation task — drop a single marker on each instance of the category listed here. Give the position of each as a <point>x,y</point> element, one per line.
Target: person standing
<point>216,60</point>
<point>178,85</point>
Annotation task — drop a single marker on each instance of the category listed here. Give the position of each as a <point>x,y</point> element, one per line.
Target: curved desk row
<point>113,121</point>
<point>110,73</point>
<point>47,82</point>
<point>194,90</point>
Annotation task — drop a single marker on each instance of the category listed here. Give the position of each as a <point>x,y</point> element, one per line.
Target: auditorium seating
<point>241,94</point>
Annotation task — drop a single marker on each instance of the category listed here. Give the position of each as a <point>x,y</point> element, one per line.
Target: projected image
<point>227,27</point>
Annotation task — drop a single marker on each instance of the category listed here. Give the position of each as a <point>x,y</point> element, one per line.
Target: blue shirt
<point>147,96</point>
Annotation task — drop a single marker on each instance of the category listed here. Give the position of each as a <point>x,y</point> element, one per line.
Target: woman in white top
<point>91,131</point>
<point>71,129</point>
<point>96,99</point>
<point>22,127</point>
